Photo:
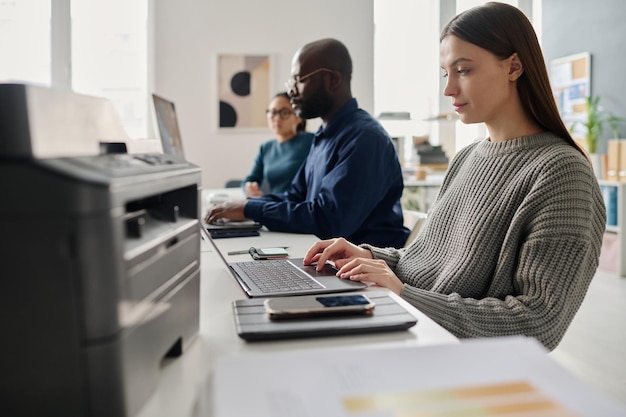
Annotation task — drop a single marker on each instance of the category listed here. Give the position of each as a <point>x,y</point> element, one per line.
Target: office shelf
<point>419,195</point>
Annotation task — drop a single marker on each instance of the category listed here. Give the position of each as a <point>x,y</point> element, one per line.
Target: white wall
<point>406,58</point>
<point>188,35</point>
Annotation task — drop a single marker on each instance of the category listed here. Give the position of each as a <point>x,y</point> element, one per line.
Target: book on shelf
<point>621,171</point>
<point>614,150</point>
<point>616,160</point>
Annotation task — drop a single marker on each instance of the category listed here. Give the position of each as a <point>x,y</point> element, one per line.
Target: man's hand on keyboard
<point>230,210</point>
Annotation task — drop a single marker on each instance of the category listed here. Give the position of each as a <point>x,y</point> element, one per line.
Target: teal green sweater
<point>277,163</point>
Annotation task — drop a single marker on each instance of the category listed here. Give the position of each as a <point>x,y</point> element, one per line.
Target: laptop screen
<point>168,126</point>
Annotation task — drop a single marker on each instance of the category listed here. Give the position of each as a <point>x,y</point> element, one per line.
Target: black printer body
<point>100,272</point>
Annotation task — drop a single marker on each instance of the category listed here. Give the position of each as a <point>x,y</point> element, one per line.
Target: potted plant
<point>593,125</point>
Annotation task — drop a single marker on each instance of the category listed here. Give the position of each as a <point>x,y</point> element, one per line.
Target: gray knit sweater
<point>511,243</point>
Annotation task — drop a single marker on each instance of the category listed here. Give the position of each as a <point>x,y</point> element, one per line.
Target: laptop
<point>286,277</point>
<point>233,229</point>
<point>172,143</point>
<point>167,121</point>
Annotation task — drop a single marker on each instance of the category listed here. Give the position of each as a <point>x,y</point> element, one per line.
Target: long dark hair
<point>504,30</point>
<point>301,127</point>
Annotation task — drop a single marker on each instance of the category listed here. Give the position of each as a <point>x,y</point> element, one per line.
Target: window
<point>406,69</point>
<point>25,41</point>
<point>108,58</point>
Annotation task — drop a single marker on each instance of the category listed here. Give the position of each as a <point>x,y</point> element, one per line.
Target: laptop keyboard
<point>277,276</point>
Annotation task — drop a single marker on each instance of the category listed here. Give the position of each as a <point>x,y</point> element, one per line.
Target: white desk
<point>183,385</point>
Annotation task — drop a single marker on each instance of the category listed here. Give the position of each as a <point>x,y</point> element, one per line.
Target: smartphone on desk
<point>268,253</point>
<point>318,305</point>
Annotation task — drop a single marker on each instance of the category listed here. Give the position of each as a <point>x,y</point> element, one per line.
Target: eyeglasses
<point>282,113</point>
<point>292,84</point>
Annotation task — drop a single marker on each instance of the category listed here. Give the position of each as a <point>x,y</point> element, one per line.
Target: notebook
<point>167,121</point>
<point>233,229</point>
<point>285,277</point>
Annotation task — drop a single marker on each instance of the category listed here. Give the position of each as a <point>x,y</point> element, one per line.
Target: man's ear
<point>335,78</point>
<point>516,68</point>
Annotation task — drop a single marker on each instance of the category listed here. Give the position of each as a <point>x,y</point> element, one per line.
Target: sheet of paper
<point>490,377</point>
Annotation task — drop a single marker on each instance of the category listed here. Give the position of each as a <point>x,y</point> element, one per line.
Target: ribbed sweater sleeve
<point>511,242</point>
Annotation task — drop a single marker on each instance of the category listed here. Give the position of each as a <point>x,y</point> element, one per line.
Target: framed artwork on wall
<point>571,84</point>
<point>244,90</point>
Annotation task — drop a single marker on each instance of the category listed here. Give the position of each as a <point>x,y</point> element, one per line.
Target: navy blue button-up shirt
<point>349,186</point>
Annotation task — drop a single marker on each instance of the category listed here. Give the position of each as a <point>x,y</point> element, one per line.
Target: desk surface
<point>184,381</point>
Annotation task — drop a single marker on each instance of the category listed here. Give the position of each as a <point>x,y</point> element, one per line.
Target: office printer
<point>100,259</point>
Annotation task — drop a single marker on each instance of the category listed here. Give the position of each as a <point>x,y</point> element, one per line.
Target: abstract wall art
<point>244,84</point>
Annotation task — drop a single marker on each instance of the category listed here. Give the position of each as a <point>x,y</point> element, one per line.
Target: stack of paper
<point>489,377</point>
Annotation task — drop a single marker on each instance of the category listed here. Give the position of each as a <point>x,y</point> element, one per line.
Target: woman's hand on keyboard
<point>339,251</point>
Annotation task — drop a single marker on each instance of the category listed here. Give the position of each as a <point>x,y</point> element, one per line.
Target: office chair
<point>233,184</point>
<point>413,220</point>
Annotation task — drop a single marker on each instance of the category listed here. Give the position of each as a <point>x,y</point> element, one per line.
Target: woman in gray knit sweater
<point>513,239</point>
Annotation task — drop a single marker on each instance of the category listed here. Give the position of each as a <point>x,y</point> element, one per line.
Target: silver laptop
<point>285,277</point>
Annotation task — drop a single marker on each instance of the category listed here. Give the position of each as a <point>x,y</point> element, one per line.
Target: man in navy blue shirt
<point>351,183</point>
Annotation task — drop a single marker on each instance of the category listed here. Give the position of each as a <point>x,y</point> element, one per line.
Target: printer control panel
<point>127,163</point>
<point>103,168</point>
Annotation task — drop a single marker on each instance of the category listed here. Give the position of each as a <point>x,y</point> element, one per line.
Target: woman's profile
<point>513,239</point>
<point>279,159</point>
